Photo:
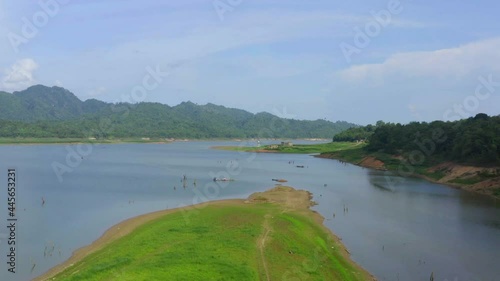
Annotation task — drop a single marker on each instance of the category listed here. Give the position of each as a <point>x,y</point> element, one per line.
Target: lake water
<point>399,231</point>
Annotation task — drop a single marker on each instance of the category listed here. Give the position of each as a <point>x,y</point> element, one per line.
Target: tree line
<point>475,140</point>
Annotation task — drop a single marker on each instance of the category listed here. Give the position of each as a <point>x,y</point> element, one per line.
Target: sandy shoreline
<point>289,198</point>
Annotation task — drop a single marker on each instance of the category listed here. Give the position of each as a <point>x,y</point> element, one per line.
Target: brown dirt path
<point>261,244</point>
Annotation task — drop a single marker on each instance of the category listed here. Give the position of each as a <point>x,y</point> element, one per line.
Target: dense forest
<point>473,140</point>
<point>356,133</point>
<point>41,111</point>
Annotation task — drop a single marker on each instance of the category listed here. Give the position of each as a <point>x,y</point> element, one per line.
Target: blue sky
<point>423,60</point>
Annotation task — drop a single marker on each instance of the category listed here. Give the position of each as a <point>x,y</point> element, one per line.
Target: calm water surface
<point>398,229</point>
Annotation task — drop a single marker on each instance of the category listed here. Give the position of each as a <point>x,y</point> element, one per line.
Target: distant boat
<point>300,166</point>
<point>223,179</point>
<point>280,180</point>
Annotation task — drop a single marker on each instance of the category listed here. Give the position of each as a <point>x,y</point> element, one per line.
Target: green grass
<point>315,255</point>
<point>354,155</point>
<point>474,179</point>
<point>496,192</point>
<point>220,243</point>
<point>317,148</point>
<point>238,148</point>
<point>436,175</point>
<point>297,148</point>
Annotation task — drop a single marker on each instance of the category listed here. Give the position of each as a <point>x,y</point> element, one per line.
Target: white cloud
<point>452,63</point>
<point>19,76</point>
<point>204,37</point>
<point>249,28</point>
<point>419,85</point>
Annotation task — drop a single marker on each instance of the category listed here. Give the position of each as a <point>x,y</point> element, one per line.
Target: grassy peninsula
<point>270,236</point>
<point>295,148</point>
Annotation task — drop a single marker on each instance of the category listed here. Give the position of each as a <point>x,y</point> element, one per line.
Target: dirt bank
<point>483,180</point>
<point>372,162</point>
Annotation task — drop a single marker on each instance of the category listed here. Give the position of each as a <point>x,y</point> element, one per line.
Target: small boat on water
<point>280,180</point>
<point>223,179</point>
<point>300,166</point>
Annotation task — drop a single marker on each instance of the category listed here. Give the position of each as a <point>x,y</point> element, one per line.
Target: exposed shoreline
<point>483,188</point>
<point>290,199</point>
<point>450,171</point>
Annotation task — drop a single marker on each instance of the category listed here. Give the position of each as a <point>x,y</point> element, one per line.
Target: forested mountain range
<point>42,111</point>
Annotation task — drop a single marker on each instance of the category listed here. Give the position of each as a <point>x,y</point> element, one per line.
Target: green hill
<point>41,111</point>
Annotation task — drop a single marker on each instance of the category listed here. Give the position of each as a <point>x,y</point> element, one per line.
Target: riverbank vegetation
<point>464,153</point>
